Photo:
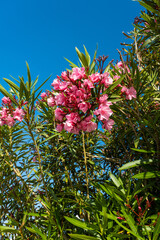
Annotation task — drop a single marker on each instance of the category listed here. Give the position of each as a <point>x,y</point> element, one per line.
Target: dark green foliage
<point>43,179</point>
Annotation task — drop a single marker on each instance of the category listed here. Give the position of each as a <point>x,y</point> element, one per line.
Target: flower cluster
<point>79,101</point>
<point>9,114</point>
<point>130,93</point>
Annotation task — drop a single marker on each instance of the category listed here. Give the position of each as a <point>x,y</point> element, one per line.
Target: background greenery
<point>43,179</point>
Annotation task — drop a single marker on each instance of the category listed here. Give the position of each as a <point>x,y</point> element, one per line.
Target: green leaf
<point>11,84</point>
<point>81,224</point>
<point>71,63</point>
<point>146,175</point>
<point>135,164</point>
<point>23,86</point>
<point>87,56</point>
<point>8,229</point>
<point>148,7</point>
<point>82,58</point>
<point>7,94</point>
<point>127,229</point>
<point>36,230</point>
<point>129,220</point>
<point>82,237</point>
<point>115,180</point>
<point>142,150</point>
<point>29,77</point>
<point>156,232</point>
<point>116,83</point>
<point>92,66</point>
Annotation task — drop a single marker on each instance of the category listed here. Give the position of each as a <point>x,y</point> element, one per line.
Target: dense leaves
<point>82,160</point>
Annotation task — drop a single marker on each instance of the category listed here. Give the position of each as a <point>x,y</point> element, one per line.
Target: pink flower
<point>104,111</point>
<point>64,76</point>
<point>59,127</point>
<point>124,90</point>
<point>3,113</point>
<point>120,64</point>
<point>87,83</point>
<point>91,126</point>
<point>103,98</point>
<point>60,99</point>
<point>43,95</point>
<point>51,102</point>
<point>6,100</point>
<point>73,117</point>
<point>59,114</point>
<point>18,114</point>
<point>95,77</point>
<point>106,79</point>
<point>10,121</point>
<point>59,85</point>
<point>123,66</point>
<point>79,95</point>
<point>108,124</point>
<point>84,123</point>
<point>131,93</point>
<point>68,126</point>
<point>77,73</point>
<point>84,106</point>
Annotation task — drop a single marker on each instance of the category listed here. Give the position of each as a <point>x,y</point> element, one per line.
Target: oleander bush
<point>82,159</point>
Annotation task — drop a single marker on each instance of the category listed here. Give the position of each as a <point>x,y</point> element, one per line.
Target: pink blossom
<point>59,85</point>
<point>68,126</point>
<point>77,73</point>
<point>120,64</point>
<point>104,111</point>
<point>51,102</point>
<point>10,120</point>
<point>83,124</point>
<point>103,98</point>
<point>43,95</point>
<point>87,83</point>
<point>91,126</point>
<point>72,99</point>
<point>18,114</point>
<point>106,79</point>
<point>108,124</point>
<point>2,122</point>
<point>59,127</point>
<point>59,114</point>
<point>131,93</point>
<point>6,100</point>
<point>79,95</point>
<point>95,77</point>
<point>73,117</point>
<point>124,89</point>
<point>3,113</point>
<point>64,76</point>
<point>55,84</point>
<point>84,106</point>
<point>60,99</point>
<point>123,66</point>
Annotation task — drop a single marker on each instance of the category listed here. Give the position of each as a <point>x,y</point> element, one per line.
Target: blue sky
<point>44,32</point>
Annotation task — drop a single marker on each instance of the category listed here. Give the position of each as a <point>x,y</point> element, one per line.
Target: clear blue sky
<point>43,32</point>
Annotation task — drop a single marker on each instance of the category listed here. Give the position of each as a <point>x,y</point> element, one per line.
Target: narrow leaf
<point>136,164</point>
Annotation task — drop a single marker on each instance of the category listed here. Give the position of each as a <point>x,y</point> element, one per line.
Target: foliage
<point>82,180</point>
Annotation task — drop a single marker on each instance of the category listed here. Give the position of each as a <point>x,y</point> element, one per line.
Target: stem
<point>39,160</point>
<point>85,162</point>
